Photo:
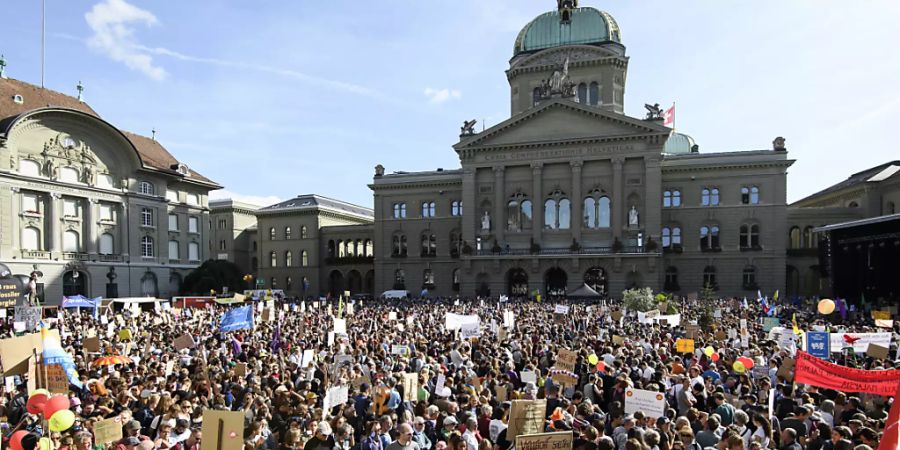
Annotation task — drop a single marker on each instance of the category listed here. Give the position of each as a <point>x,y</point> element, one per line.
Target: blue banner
<point>237,319</point>
<point>818,344</point>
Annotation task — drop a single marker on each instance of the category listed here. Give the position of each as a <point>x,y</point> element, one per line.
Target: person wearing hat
<point>132,430</point>
<point>322,440</point>
<point>450,423</point>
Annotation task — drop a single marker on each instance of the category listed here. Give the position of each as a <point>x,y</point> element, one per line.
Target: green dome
<point>585,26</point>
<point>679,143</point>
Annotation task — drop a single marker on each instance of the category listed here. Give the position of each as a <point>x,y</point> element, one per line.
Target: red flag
<point>890,440</point>
<point>669,117</point>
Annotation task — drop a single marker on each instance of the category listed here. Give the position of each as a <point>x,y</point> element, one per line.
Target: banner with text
<point>816,372</point>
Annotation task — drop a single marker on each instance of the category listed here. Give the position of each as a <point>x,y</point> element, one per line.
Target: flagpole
<point>673,118</point>
<point>43,20</point>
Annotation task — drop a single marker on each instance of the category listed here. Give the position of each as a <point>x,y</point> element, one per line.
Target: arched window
<point>590,212</point>
<point>428,279</point>
<point>146,187</point>
<point>288,259</point>
<point>749,236</point>
<point>399,210</point>
<point>518,213</point>
<point>714,196</point>
<point>666,237</point>
<point>287,232</point>
<point>456,208</point>
<point>667,199</point>
<point>709,277</point>
<point>582,94</point>
<point>536,96</point>
<point>272,234</point>
<point>455,285</point>
<point>709,237</point>
<point>107,242</point>
<point>342,249</point>
<point>676,236</point>
<point>370,251</point>
<point>676,198</point>
<point>794,237</point>
<point>596,210</point>
<point>71,241</point>
<point>31,239</point>
<point>331,248</point>
<point>147,247</point>
<point>671,283</point>
<point>273,259</point>
<point>557,211</point>
<point>304,258</point>
<point>594,94</point>
<point>749,278</point>
<point>173,251</point>
<point>303,232</point>
<point>399,279</point>
<point>754,195</point>
<point>398,247</point>
<point>809,238</point>
<point>429,245</point>
<point>704,197</point>
<point>428,209</point>
<point>349,248</point>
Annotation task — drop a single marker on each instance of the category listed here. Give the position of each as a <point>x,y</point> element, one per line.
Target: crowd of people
<point>278,375</point>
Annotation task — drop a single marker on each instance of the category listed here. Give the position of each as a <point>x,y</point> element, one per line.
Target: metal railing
<point>562,251</point>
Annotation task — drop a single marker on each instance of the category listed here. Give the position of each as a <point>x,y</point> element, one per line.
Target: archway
<point>336,283</point>
<point>482,285</point>
<point>517,282</point>
<point>555,281</point>
<point>174,283</point>
<point>793,281</point>
<point>370,282</point>
<point>75,283</point>
<point>354,282</point>
<point>595,277</point>
<point>149,287</point>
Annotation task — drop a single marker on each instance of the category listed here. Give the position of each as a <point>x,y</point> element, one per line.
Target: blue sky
<point>278,98</point>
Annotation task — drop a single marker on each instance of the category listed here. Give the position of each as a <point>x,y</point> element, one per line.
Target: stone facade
<point>233,233</point>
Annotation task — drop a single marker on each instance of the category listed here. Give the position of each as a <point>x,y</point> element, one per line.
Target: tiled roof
<point>855,179</point>
<point>312,201</point>
<point>152,154</point>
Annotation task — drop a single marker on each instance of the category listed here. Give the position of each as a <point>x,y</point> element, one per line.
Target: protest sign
<point>14,352</point>
<point>170,367</point>
<point>222,430</point>
<point>401,350</point>
<point>526,417</point>
<point>816,372</point>
<point>340,325</point>
<point>616,315</point>
<point>878,352</point>
<point>501,392</point>
<point>881,315</point>
<point>651,403</point>
<point>107,431</point>
<point>31,315</point>
<point>884,323</point>
<point>528,376</point>
<point>455,321</point>
<point>564,378</point>
<point>240,369</point>
<point>92,344</point>
<point>692,331</point>
<point>336,396</point>
<point>861,341</point>
<point>469,330</point>
<point>125,334</point>
<point>684,346</point>
<point>770,322</point>
<point>509,319</point>
<point>818,344</point>
<point>618,340</point>
<point>184,341</point>
<point>545,441</point>
<point>439,384</point>
<point>392,315</point>
<point>57,381</point>
<point>410,386</point>
<point>565,360</point>
<point>307,358</point>
<point>561,309</point>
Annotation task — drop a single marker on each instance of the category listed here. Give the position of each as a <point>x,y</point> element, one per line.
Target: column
<point>15,223</point>
<point>122,223</point>
<point>618,197</point>
<point>577,201</point>
<point>470,212</point>
<point>54,236</point>
<point>90,222</point>
<point>499,223</point>
<point>651,218</point>
<point>537,202</point>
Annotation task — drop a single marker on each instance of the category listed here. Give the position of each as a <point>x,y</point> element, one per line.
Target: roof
<point>585,26</point>
<point>151,152</point>
<point>857,223</point>
<point>318,202</point>
<point>871,175</point>
<point>678,143</point>
<point>224,203</point>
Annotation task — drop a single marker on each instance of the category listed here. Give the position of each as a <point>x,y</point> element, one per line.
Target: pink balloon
<point>57,403</point>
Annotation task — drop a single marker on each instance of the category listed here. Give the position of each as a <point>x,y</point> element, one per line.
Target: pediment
<point>560,121</point>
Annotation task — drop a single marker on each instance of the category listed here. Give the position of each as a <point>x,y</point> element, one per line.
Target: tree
<point>639,299</point>
<point>213,275</point>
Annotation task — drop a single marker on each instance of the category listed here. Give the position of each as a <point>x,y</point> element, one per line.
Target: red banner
<point>820,373</point>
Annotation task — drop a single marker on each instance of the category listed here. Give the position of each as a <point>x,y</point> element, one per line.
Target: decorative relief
<point>64,150</point>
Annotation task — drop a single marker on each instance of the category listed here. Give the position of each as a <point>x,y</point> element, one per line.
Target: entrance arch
<point>793,281</point>
<point>517,281</point>
<point>335,283</point>
<point>370,282</point>
<point>595,277</point>
<point>483,285</point>
<point>149,285</point>
<point>75,283</point>
<point>555,281</point>
<point>354,282</point>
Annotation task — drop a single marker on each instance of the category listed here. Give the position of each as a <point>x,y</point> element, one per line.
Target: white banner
<point>469,330</point>
<point>561,309</point>
<point>335,396</point>
<point>340,326</point>
<point>861,345</point>
<point>455,321</point>
<point>509,319</point>
<point>652,404</point>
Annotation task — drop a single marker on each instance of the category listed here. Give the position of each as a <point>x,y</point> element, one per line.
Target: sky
<point>274,99</point>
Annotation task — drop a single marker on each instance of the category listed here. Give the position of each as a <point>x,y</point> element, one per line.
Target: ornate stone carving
<point>778,144</point>
<point>558,83</point>
<point>468,127</point>
<point>379,170</point>
<point>654,112</point>
<point>64,150</point>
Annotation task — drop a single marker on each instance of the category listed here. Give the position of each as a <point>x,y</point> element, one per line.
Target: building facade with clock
<point>92,209</point>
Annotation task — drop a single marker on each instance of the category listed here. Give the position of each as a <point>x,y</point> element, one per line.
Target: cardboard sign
<point>469,330</point>
<point>336,396</point>
<point>881,315</point>
<point>410,386</point>
<point>240,369</point>
<point>545,441</point>
<point>31,315</point>
<point>684,346</point>
<point>340,325</point>
<point>786,370</point>
<point>170,367</point>
<point>878,352</point>
<point>652,404</point>
<point>125,334</point>
<point>439,384</point>
<point>57,381</point>
<point>92,344</point>
<point>564,379</point>
<point>222,430</point>
<point>109,430</point>
<point>618,340</point>
<point>565,360</point>
<point>526,417</point>
<point>528,376</point>
<point>616,315</point>
<point>184,341</point>
<point>501,392</point>
<point>692,331</point>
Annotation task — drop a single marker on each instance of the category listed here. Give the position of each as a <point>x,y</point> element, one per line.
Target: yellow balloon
<point>40,391</point>
<point>826,306</point>
<point>44,444</point>
<point>593,358</point>
<point>708,351</point>
<point>61,420</point>
<point>739,367</point>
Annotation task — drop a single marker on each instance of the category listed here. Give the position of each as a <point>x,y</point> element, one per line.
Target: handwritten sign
<point>31,316</point>
<point>565,360</point>
<point>562,440</point>
<point>526,417</point>
<point>410,386</point>
<point>184,341</point>
<point>109,430</point>
<point>653,404</point>
<point>684,346</point>
<point>57,381</point>
<point>561,309</point>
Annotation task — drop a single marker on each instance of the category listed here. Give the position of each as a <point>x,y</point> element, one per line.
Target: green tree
<point>639,299</point>
<point>213,274</point>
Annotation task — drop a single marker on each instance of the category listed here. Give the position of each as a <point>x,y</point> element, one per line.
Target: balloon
<point>747,362</point>
<point>57,403</point>
<point>601,366</point>
<point>826,306</point>
<point>708,351</point>
<point>593,358</point>
<point>715,357</point>
<point>62,420</point>
<point>43,444</point>
<point>738,367</point>
<point>36,402</point>
<point>30,441</point>
<point>15,441</point>
<point>40,391</point>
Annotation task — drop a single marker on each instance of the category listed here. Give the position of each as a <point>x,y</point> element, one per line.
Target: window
<point>304,282</point>
<point>399,210</point>
<point>29,168</point>
<point>193,251</point>
<point>106,244</point>
<point>273,282</point>
<point>594,94</point>
<point>428,279</point>
<point>428,209</point>
<point>709,196</point>
<point>709,277</point>
<point>287,232</point>
<point>429,245</point>
<point>399,279</point>
<point>455,285</point>
<point>536,96</point>
<point>304,258</point>
<point>714,196</point>
<point>596,211</point>
<point>106,212</point>
<point>809,238</point>
<point>31,239</point>
<point>273,259</point>
<point>288,259</point>
<point>172,196</point>
<point>456,208</point>
<point>147,247</point>
<point>749,236</point>
<point>31,203</point>
<point>173,251</point>
<point>173,222</point>
<point>70,207</point>
<point>794,237</point>
<point>671,283</point>
<point>671,199</point>
<point>582,94</point>
<point>272,234</point>
<point>71,241</point>
<point>749,277</point>
<point>709,238</point>
<point>398,247</point>
<point>146,187</point>
<point>193,225</point>
<point>518,213</point>
<point>750,195</point>
<point>557,211</point>
<point>68,174</point>
<point>222,245</point>
<point>666,237</point>
<point>288,283</point>
<point>147,217</point>
<point>303,232</point>
<point>222,224</point>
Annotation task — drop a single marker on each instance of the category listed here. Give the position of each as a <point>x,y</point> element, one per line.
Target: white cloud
<point>112,24</point>
<point>258,200</point>
<point>438,96</point>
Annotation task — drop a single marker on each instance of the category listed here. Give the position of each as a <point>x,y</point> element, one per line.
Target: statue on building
<point>633,217</point>
<point>778,144</point>
<point>559,78</point>
<point>486,221</point>
<point>654,112</point>
<point>88,174</point>
<point>379,170</point>
<point>468,127</point>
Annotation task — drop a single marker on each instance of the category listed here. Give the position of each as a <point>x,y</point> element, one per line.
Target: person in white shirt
<point>469,435</point>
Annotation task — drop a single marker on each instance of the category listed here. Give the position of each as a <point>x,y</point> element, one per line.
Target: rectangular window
<point>70,208</point>
<point>147,217</point>
<point>222,224</point>
<point>30,203</point>
<point>193,251</point>
<point>172,196</point>
<point>222,245</point>
<point>193,225</point>
<point>173,222</point>
<point>173,250</point>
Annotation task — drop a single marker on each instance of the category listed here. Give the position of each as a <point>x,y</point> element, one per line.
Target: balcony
<point>75,256</point>
<point>111,258</point>
<point>567,251</point>
<point>35,254</point>
<point>345,260</point>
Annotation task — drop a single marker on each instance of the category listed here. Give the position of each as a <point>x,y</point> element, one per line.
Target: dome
<point>679,143</point>
<point>585,26</point>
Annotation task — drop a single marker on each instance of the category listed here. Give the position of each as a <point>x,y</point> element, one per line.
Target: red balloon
<point>748,363</point>
<point>715,357</point>
<point>36,403</point>
<point>601,366</point>
<point>15,441</point>
<point>57,403</point>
